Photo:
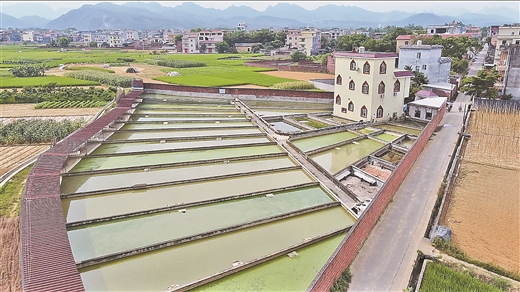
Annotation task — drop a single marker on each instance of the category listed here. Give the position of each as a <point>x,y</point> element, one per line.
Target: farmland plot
<point>13,156</point>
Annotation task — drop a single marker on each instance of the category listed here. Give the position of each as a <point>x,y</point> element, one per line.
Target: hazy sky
<point>377,6</point>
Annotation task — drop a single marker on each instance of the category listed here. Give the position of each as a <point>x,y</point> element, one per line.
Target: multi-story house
<point>506,36</point>
<point>242,27</point>
<point>129,36</point>
<point>292,38</point>
<point>452,28</point>
<point>368,87</point>
<point>190,43</point>
<point>493,33</point>
<point>114,40</point>
<point>208,39</point>
<point>28,36</point>
<point>334,33</point>
<point>427,60</point>
<point>310,41</point>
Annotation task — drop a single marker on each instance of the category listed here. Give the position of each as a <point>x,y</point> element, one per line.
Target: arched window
<point>366,68</point>
<point>352,85</point>
<point>379,112</point>
<point>353,65</point>
<point>381,88</point>
<point>351,106</point>
<point>338,99</point>
<point>397,86</point>
<point>364,111</point>
<point>339,80</point>
<point>382,68</point>
<point>364,88</point>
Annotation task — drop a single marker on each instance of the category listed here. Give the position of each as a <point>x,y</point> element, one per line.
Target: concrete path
<point>386,260</point>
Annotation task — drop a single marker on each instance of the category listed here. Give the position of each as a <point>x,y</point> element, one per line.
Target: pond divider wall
<point>189,205</point>
<point>46,259</point>
<point>332,146</point>
<point>353,241</point>
<point>178,241</point>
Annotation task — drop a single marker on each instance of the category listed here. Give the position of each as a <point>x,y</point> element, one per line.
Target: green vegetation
<point>177,63</point>
<point>70,104</point>
<point>23,131</point>
<point>295,85</point>
<point>90,68</point>
<point>480,84</point>
<point>51,92</point>
<point>438,277</point>
<point>11,194</point>
<point>317,124</point>
<point>29,70</point>
<point>452,250</point>
<point>101,77</point>
<point>343,282</point>
<point>12,82</point>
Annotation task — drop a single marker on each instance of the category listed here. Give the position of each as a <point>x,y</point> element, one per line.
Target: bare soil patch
<point>303,76</point>
<point>13,156</point>
<point>10,272</point>
<point>28,110</point>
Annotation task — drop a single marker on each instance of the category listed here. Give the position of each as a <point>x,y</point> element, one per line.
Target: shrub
<point>102,77</point>
<point>296,85</point>
<point>179,63</point>
<point>342,283</point>
<point>23,131</point>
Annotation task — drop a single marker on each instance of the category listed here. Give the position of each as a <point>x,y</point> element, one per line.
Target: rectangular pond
<point>181,134</point>
<point>103,163</point>
<point>105,205</point>
<point>173,125</point>
<point>102,239</point>
<point>113,148</point>
<point>399,129</point>
<point>186,263</point>
<point>313,143</point>
<point>387,137</point>
<point>231,111</point>
<point>284,127</point>
<point>98,182</point>
<point>335,160</point>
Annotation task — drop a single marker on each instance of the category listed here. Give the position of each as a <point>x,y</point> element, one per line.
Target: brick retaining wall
<point>351,245</point>
<point>46,258</point>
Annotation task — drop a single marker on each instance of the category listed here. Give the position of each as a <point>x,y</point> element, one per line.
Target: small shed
<point>425,109</point>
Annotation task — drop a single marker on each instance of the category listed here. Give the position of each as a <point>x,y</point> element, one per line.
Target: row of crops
<point>176,63</point>
<point>51,92</point>
<point>25,131</point>
<point>102,77</point>
<point>70,104</point>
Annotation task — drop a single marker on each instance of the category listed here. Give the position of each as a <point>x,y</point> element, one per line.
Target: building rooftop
<point>441,85</point>
<point>420,47</point>
<point>371,55</point>
<point>404,73</point>
<point>435,102</point>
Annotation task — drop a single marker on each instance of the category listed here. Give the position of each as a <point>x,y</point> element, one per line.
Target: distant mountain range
<point>152,15</point>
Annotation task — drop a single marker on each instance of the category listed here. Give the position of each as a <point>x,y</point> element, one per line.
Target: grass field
<point>219,70</point>
<point>12,82</point>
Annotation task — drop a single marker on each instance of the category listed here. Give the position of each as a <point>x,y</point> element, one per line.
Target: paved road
<point>386,260</point>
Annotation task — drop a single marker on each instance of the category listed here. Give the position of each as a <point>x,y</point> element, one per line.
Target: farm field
<point>482,210</point>
<point>20,110</point>
<point>13,156</point>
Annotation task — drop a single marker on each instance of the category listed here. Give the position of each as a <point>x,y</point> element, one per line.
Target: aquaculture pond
<point>316,142</point>
<point>189,189</point>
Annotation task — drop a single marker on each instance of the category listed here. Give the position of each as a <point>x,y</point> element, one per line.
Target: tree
<point>256,48</point>
<point>222,47</point>
<point>202,48</point>
<point>63,42</point>
<point>298,56</point>
<point>178,38</point>
<point>92,44</point>
<point>53,43</point>
<point>477,85</point>
<point>418,80</point>
<point>276,44</point>
<point>459,66</point>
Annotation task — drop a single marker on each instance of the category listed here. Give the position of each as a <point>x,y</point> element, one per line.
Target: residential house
<point>452,28</point>
<point>207,40</point>
<point>28,36</point>
<point>493,33</point>
<point>334,33</point>
<point>509,69</point>
<point>427,60</point>
<point>425,109</point>
<point>129,36</point>
<point>245,47</point>
<point>407,39</point>
<point>292,38</point>
<point>242,27</point>
<point>368,87</point>
<point>190,43</point>
<point>506,36</point>
<point>114,41</point>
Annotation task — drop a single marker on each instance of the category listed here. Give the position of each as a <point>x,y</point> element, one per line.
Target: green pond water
<point>282,273</point>
<point>116,236</point>
<point>111,204</point>
<point>145,105</point>
<point>185,112</point>
<point>284,127</point>
<point>183,264</point>
<point>101,163</point>
<point>387,137</point>
<point>281,112</point>
<point>308,144</point>
<point>166,118</point>
<point>335,160</point>
<point>86,183</point>
<point>178,134</point>
<point>366,131</point>
<point>112,148</point>
<point>400,129</point>
<point>343,121</point>
<point>407,143</point>
<point>172,125</point>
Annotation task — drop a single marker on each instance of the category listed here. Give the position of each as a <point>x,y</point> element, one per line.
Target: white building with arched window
<point>369,86</point>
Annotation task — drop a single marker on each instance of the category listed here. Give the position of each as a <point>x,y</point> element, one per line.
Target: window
<point>379,112</point>
<point>418,55</point>
<point>417,114</point>
<point>424,67</point>
<point>512,33</point>
<point>352,85</point>
<point>366,68</point>
<point>353,65</point>
<point>364,88</point>
<point>338,99</point>
<point>428,115</point>
<point>339,80</point>
<point>416,68</point>
<point>382,68</point>
<point>381,88</point>
<point>405,42</point>
<point>397,86</point>
<point>343,110</point>
<point>351,106</point>
<point>364,111</point>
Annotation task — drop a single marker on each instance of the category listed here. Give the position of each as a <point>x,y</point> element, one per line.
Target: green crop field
<point>90,68</point>
<point>12,82</point>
